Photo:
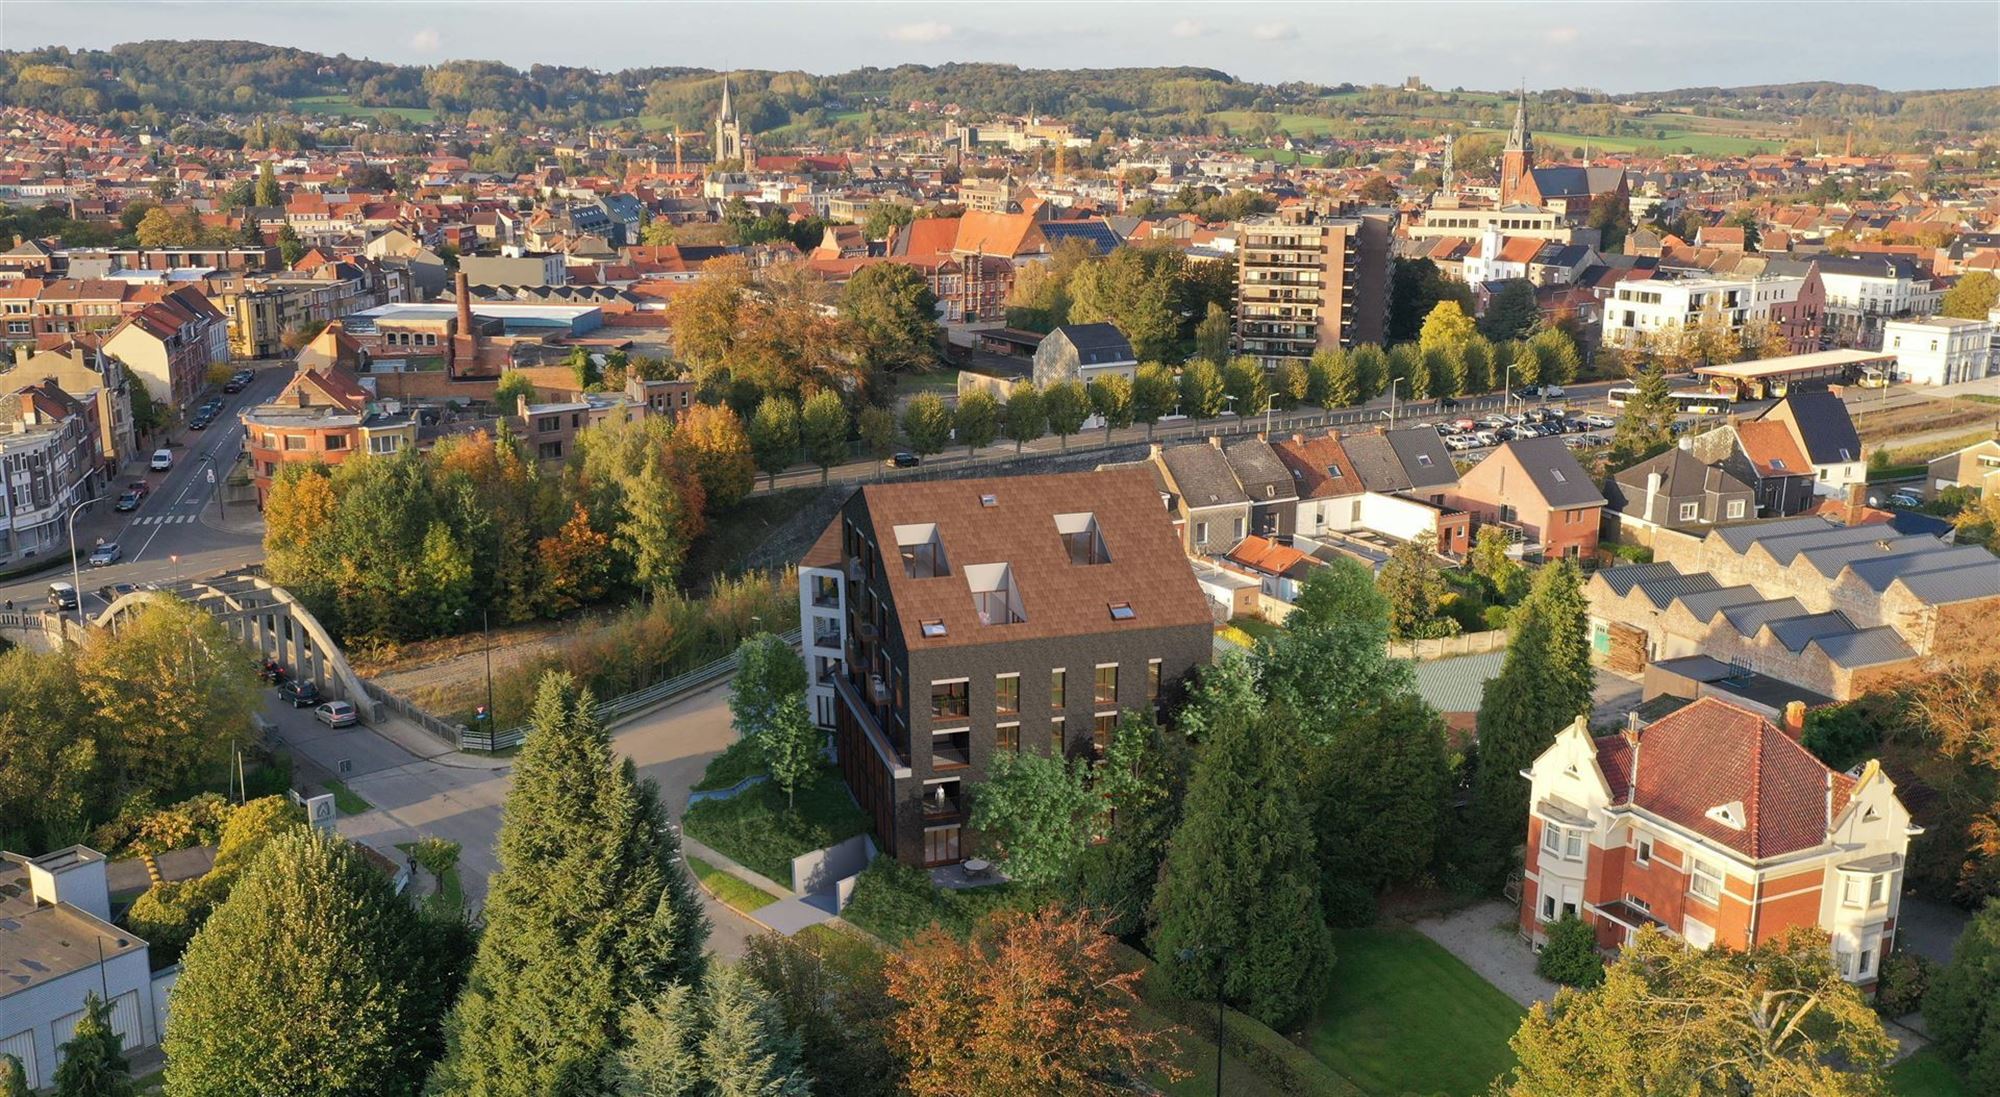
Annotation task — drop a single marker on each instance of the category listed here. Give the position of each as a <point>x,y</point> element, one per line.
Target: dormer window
<point>1424,460</point>
<point>1729,815</point>
<point>994,596</point>
<point>921,551</point>
<point>1082,541</point>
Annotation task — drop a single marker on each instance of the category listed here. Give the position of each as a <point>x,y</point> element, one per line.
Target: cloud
<point>1274,32</point>
<point>1561,36</point>
<point>929,30</point>
<point>1187,28</point>
<point>426,40</point>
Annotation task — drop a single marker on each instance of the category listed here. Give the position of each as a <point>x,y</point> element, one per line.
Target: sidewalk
<point>790,914</point>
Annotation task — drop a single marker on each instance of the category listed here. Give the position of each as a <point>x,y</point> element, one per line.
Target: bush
<point>1840,735</point>
<point>1906,978</point>
<point>1570,956</point>
<point>437,855</point>
<point>1497,618</point>
<point>759,831</point>
<point>1348,904</point>
<point>1627,554</point>
<point>142,828</point>
<point>896,902</point>
<point>168,915</point>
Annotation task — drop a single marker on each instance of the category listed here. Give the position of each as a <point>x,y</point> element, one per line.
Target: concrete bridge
<point>262,616</point>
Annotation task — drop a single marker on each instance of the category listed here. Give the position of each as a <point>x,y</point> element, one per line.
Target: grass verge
<point>1926,1074</point>
<point>1257,628</point>
<point>450,894</point>
<point>739,760</point>
<point>346,799</point>
<point>728,889</point>
<point>1397,999</point>
<point>1255,1060</point>
<point>896,902</point>
<point>758,831</point>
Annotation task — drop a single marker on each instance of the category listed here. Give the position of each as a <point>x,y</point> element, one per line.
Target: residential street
<point>419,788</point>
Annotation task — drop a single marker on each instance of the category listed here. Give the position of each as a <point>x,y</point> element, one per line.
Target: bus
<point>1686,401</point>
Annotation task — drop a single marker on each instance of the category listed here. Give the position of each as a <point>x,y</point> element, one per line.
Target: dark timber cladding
<point>1017,614</point>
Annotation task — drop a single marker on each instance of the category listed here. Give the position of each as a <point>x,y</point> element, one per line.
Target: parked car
<point>299,693</point>
<point>62,596</point>
<point>1554,392</point>
<point>1906,498</point>
<point>238,381</point>
<point>903,460</point>
<point>336,714</point>
<point>105,554</point>
<point>1486,438</point>
<point>1446,403</point>
<point>1599,422</point>
<point>163,459</point>
<point>200,422</point>
<point>1463,423</point>
<point>1527,391</point>
<point>132,496</point>
<point>111,592</point>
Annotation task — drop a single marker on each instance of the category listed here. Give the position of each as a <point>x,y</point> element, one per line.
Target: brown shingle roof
<point>1058,598</point>
<point>1313,462</point>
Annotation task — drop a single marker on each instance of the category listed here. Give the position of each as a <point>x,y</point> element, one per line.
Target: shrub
<point>1570,956</point>
<point>142,828</point>
<point>738,761</point>
<point>1348,904</point>
<point>1840,735</point>
<point>1628,554</point>
<point>168,915</point>
<point>1906,978</point>
<point>1496,618</point>
<point>437,855</point>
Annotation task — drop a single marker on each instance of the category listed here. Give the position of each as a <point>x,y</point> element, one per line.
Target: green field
<point>1298,125</point>
<point>344,105</point>
<point>1405,1016</point>
<point>1284,156</point>
<point>1703,143</point>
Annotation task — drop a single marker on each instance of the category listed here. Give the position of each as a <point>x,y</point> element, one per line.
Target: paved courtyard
<point>1486,937</point>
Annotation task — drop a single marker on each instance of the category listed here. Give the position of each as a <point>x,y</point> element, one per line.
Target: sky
<point>1608,45</point>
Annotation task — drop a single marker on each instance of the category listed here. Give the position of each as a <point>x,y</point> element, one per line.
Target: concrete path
<point>1614,696</point>
<point>1485,937</point>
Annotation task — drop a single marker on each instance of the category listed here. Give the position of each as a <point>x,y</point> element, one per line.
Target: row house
<point>1392,484</point>
<point>948,623</point>
<point>170,344</point>
<point>1673,490</point>
<point>1535,489</point>
<point>49,463</point>
<point>1638,310</point>
<point>90,376</point>
<point>1766,455</point>
<point>1717,827</point>
<point>321,416</point>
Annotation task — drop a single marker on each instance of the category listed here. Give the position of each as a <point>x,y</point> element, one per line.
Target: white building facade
<point>1941,350</point>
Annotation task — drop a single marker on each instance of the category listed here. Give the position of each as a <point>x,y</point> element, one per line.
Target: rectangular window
<point>1736,508</point>
<point>295,441</point>
<point>1058,689</point>
<point>1645,855</point>
<point>1201,533</point>
<point>1572,845</point>
<point>941,845</point>
<point>1007,737</point>
<point>1865,967</point>
<point>1153,680</point>
<point>1236,529</point>
<point>951,700</point>
<point>1101,730</point>
<point>549,451</point>
<point>548,423</point>
<point>1704,880</point>
<point>1105,691</point>
<point>1007,694</point>
<point>1878,890</point>
<point>1552,839</point>
<point>1058,737</point>
<point>1690,511</point>
<point>336,441</point>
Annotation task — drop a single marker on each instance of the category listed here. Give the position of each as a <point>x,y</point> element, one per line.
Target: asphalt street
<point>180,529</point>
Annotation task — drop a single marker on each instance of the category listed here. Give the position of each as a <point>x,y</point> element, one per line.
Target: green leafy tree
<point>512,387</point>
<point>553,975</point>
<point>93,1060</point>
<point>1416,286</point>
<point>1155,393</point>
<point>1777,1019</point>
<point>1512,312</point>
<point>13,1078</point>
<point>1414,586</point>
<point>770,678</point>
<point>1067,405</point>
<point>1447,327</point>
<point>1962,1011</point>
<point>927,423</point>
<point>823,426</point>
<point>1211,336</point>
<point>1331,380</point>
<point>833,994</point>
<point>1611,215</point>
<point>1544,684</point>
<point>1142,777</point>
<point>794,748</point>
<point>1556,355</point>
<point>1291,381</point>
<point>1475,366</point>
<point>1133,288</point>
<point>1246,386</point>
<point>1026,421</point>
<point>314,976</point>
<point>267,193</point>
<point>1111,399</point>
<point>893,314</point>
<point>774,436</point>
<point>877,427</point>
<point>1340,620</point>
<point>1202,390</point>
<point>1570,955</point>
<point>1972,297</point>
<point>1645,424</point>
<point>977,420</point>
<point>1490,562</point>
<point>290,248</point>
<point>445,571</point>
<point>1249,894</point>
<point>1036,811</point>
<point>1371,372</point>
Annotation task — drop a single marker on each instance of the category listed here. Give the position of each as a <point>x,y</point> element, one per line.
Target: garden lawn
<point>1257,628</point>
<point>1926,1074</point>
<point>346,799</point>
<point>343,105</point>
<point>896,902</point>
<point>1404,1015</point>
<point>736,893</point>
<point>758,831</point>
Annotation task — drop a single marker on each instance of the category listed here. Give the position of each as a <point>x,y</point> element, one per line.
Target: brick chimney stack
<point>464,296</point>
<point>465,341</point>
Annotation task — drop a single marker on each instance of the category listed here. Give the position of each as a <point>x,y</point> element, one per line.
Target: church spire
<point>723,114</point>
<point>1517,141</point>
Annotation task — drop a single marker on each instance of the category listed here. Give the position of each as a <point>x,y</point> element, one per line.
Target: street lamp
<point>1268,402</point>
<point>1187,955</point>
<point>1507,387</point>
<point>1393,382</point>
<point>175,560</point>
<point>75,572</point>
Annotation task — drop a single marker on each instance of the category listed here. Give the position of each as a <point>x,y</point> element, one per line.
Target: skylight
<point>1424,459</point>
<point>934,627</point>
<point>989,500</point>
<point>1333,472</point>
<point>1777,462</point>
<point>1558,474</point>
<point>1122,611</point>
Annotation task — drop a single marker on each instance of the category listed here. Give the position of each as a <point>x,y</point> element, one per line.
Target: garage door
<point>21,1046</point>
<point>125,1020</point>
<point>61,1031</point>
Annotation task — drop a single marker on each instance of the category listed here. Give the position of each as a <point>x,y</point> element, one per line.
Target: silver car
<point>336,714</point>
<point>105,554</point>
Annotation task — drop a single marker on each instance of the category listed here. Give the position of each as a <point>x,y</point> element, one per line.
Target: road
<point>433,791</point>
<point>178,530</point>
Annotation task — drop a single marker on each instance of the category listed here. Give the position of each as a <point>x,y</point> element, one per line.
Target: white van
<point>163,459</point>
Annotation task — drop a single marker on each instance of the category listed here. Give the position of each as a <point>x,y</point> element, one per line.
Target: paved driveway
<point>459,798</point>
<point>1486,936</point>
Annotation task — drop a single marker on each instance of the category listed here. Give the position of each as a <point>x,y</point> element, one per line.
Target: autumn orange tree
<point>576,560</point>
<point>719,447</point>
<point>1032,1002</point>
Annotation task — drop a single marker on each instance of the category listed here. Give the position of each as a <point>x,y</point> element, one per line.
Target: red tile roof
<point>1266,556</point>
<point>1312,461</point>
<point>1767,440</point>
<point>1712,753</point>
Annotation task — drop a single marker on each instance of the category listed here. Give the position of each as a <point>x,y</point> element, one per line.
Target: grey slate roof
<point>1558,478</point>
<point>1865,647</point>
<point>1747,617</point>
<point>1626,576</point>
<point>1376,463</point>
<point>1878,574</point>
<point>1456,685</point>
<point>1825,426</point>
<point>1787,548</point>
<point>1704,605</point>
<point>1740,536</point>
<point>1796,632</point>
<point>1681,473</point>
<point>1096,344</point>
<point>1959,584</point>
<point>1203,476</point>
<point>1263,476</point>
<point>1660,583</point>
<point>1829,560</point>
<point>1425,460</point>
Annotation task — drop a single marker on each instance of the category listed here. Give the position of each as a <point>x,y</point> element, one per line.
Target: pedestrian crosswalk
<point>163,520</point>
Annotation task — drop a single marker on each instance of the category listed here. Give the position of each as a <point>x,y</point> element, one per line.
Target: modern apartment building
<point>948,622</point>
<point>1306,283</point>
<point>1637,310</point>
<point>1718,827</point>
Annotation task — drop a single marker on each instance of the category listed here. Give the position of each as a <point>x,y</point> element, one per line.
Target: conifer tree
<point>661,1056</point>
<point>93,1061</point>
<point>1240,889</point>
<point>747,1050</point>
<point>590,912</point>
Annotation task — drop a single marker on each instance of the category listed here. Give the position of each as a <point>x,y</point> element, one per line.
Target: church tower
<point>1518,158</point>
<point>731,143</point>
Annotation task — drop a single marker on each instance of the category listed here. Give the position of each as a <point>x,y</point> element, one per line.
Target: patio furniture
<point>977,869</point>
